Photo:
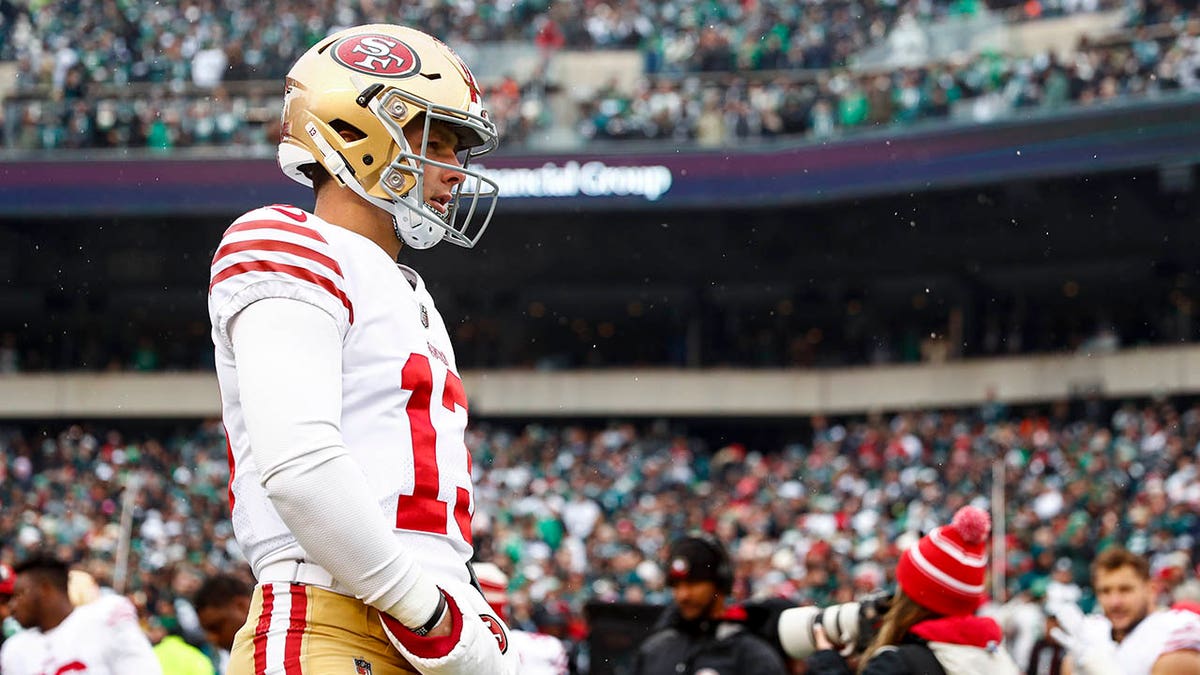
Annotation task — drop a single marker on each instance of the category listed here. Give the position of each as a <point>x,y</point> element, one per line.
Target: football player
<point>1130,636</point>
<point>222,603</point>
<point>350,484</point>
<point>102,636</point>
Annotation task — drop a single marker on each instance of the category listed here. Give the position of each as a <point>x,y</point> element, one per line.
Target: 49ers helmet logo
<point>377,54</point>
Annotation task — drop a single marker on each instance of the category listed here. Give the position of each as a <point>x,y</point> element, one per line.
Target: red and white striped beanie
<point>946,570</point>
<point>494,584</point>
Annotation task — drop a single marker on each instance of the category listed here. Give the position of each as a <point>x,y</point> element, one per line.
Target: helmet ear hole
<point>347,131</point>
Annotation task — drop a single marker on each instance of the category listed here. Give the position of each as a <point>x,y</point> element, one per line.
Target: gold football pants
<point>293,629</point>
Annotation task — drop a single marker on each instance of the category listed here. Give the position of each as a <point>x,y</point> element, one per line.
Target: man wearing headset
<point>699,633</point>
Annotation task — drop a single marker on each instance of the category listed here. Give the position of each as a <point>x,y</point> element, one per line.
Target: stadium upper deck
<point>174,75</point>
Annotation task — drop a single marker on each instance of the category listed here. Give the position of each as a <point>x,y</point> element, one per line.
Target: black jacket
<point>723,647</point>
<point>828,662</point>
<point>958,645</point>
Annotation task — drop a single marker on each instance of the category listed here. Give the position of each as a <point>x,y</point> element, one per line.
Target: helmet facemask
<point>476,136</point>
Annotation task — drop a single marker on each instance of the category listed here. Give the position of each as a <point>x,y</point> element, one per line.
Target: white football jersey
<point>99,638</point>
<point>404,410</point>
<point>1159,633</point>
<point>540,654</point>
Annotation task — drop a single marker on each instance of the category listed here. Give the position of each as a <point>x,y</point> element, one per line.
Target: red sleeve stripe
<point>280,247</point>
<point>276,225</point>
<point>290,270</point>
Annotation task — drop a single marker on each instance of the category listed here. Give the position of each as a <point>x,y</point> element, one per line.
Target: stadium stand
<point>579,512</point>
<point>186,76</point>
<point>718,111</point>
<point>133,32</point>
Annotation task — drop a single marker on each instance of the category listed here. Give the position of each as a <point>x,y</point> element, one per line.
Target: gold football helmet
<point>372,81</point>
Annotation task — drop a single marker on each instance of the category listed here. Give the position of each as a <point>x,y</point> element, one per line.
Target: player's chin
<point>690,613</point>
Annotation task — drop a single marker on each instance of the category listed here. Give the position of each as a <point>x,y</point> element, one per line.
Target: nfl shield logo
<point>362,667</point>
<point>424,316</point>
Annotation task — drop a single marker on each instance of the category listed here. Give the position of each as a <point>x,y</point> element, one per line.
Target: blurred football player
<point>222,603</point>
<point>101,637</point>
<point>540,654</point>
<point>351,481</point>
<point>1130,637</point>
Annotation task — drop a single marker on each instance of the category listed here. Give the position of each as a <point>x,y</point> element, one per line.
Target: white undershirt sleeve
<point>289,365</point>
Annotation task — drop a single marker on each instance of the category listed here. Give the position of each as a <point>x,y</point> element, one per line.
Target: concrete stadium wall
<point>1062,34</point>
<point>582,72</point>
<point>656,392</point>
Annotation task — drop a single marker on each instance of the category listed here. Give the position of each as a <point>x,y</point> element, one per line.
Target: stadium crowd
<point>576,514</point>
<point>721,109</point>
<point>171,75</point>
<point>160,41</point>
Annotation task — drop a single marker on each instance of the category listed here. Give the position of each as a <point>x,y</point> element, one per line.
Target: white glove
<point>1089,655</point>
<point>478,642</point>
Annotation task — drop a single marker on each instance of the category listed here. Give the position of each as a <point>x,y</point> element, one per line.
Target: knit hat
<point>945,571</point>
<point>699,558</point>
<point>494,584</point>
<point>8,580</point>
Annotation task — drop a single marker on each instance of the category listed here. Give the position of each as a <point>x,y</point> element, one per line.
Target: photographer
<point>929,628</point>
<point>698,633</point>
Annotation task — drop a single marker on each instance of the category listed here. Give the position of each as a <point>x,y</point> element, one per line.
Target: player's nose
<point>455,176</point>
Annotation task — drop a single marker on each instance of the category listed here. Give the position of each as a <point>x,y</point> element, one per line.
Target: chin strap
<point>418,235</point>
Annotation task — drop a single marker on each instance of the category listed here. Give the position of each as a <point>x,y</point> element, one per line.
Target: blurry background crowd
<point>579,513</point>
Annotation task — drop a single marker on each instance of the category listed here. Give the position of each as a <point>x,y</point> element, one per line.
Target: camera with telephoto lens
<point>850,626</point>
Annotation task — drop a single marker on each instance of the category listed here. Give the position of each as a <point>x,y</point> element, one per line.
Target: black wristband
<point>435,619</point>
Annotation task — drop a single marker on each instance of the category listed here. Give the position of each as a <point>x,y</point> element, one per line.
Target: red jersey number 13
<point>423,510</point>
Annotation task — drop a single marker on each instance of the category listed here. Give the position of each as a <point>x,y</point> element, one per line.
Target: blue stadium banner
<point>890,160</point>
